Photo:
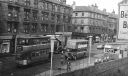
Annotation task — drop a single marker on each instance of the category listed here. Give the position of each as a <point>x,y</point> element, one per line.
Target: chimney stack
<point>74,5</point>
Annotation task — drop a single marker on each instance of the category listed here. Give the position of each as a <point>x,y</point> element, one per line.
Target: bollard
<point>62,58</point>
<point>68,66</point>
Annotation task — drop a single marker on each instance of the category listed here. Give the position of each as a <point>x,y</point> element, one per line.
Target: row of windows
<point>93,22</point>
<point>88,22</point>
<point>92,30</point>
<point>12,27</point>
<point>14,13</point>
<point>55,7</point>
<point>91,15</point>
<point>39,53</point>
<point>33,41</point>
<point>46,6</point>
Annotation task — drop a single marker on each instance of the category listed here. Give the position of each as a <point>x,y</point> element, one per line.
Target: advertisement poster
<point>123,22</point>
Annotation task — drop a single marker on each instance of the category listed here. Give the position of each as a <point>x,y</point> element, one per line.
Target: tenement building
<point>27,22</point>
<point>34,16</point>
<point>92,21</point>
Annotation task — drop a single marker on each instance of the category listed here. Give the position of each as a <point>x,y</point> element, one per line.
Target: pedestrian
<point>68,65</point>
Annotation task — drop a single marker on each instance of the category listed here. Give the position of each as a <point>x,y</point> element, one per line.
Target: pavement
<point>75,65</point>
<point>79,64</point>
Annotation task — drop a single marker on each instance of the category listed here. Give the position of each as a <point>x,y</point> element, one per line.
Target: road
<point>43,68</point>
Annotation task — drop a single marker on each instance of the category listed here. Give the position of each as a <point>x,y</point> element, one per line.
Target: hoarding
<point>123,22</point>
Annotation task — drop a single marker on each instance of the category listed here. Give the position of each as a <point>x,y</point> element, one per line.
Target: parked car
<point>100,46</point>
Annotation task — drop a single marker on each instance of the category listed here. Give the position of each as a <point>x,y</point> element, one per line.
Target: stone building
<point>34,16</point>
<point>89,19</point>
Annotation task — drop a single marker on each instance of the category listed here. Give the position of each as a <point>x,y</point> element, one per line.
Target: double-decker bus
<point>76,48</point>
<point>31,49</point>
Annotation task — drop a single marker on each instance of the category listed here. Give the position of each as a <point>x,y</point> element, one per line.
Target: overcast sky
<point>107,4</point>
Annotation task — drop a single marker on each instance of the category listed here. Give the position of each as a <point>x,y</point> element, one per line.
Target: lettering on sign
<point>109,51</point>
<point>124,14</point>
<point>123,22</point>
<point>82,46</point>
<point>125,25</point>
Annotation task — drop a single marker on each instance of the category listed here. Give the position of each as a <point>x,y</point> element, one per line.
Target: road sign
<point>123,21</point>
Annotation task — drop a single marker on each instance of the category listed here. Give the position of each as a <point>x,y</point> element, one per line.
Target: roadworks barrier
<point>110,68</point>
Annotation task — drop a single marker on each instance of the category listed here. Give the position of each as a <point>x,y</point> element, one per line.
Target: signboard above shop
<point>123,22</point>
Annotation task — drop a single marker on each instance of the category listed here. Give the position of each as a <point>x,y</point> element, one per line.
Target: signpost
<point>123,22</point>
<point>90,48</point>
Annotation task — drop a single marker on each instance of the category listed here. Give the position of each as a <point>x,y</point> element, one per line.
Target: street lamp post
<point>52,50</point>
<point>90,48</point>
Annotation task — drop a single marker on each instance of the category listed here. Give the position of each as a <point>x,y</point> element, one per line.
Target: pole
<point>15,37</point>
<point>90,48</point>
<point>52,50</point>
<point>63,37</point>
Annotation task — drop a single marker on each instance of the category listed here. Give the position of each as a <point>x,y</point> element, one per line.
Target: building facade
<point>89,19</point>
<point>34,16</point>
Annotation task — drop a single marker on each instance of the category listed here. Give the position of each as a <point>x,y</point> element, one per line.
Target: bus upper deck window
<point>33,54</point>
<point>37,54</point>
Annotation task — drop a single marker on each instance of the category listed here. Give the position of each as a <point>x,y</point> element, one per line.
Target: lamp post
<point>90,48</point>
<point>52,50</point>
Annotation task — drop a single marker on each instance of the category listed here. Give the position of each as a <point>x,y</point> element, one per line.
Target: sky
<point>109,5</point>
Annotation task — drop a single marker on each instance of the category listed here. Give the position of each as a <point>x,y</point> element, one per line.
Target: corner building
<point>34,17</point>
<point>91,20</point>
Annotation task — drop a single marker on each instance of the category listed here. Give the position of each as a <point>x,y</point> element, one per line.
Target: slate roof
<point>89,9</point>
<point>58,2</point>
<point>113,15</point>
<point>123,2</point>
